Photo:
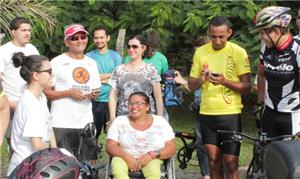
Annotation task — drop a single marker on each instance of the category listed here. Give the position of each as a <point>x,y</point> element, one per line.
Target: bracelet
<point>157,154</point>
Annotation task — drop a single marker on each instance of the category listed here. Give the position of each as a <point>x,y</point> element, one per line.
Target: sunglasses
<point>76,37</point>
<point>136,103</point>
<point>48,71</point>
<point>298,17</point>
<point>132,46</point>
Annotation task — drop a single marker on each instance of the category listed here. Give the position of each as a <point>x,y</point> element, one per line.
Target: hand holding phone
<point>215,74</point>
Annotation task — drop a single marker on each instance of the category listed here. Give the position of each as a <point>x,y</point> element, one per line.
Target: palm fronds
<point>40,13</point>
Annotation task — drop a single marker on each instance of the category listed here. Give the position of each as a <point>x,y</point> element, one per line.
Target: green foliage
<point>179,23</point>
<point>40,13</point>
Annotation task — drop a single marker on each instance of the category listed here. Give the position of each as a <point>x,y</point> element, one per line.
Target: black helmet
<point>89,131</point>
<point>52,163</point>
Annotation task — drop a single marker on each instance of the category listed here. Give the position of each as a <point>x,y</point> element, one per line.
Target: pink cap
<point>73,29</point>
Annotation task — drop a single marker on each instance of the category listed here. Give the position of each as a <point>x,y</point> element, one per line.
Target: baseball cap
<point>73,29</point>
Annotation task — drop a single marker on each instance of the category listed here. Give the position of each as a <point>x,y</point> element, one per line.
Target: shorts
<point>276,123</point>
<point>210,124</point>
<point>70,138</point>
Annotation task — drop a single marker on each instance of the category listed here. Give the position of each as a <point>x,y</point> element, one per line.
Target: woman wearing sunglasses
<point>134,76</point>
<point>139,141</point>
<point>31,129</point>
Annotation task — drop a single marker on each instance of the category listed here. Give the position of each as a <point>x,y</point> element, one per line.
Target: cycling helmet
<point>89,131</point>
<point>52,163</point>
<point>272,16</point>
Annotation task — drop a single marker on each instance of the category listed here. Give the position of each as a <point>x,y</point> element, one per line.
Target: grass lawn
<point>181,119</point>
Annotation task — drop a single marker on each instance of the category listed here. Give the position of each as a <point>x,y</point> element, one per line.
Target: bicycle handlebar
<point>238,136</point>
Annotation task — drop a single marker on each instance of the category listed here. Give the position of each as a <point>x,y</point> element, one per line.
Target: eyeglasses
<point>48,71</point>
<point>76,37</point>
<point>132,46</point>
<point>136,103</point>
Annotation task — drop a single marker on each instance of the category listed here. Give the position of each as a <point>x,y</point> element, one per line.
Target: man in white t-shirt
<point>76,83</point>
<point>13,84</point>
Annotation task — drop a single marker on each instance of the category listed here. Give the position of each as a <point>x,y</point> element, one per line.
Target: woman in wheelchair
<point>139,141</point>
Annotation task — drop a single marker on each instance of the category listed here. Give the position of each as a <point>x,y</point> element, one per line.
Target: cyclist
<point>278,72</point>
<point>220,106</point>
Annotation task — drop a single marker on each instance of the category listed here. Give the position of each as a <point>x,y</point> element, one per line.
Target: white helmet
<point>272,16</point>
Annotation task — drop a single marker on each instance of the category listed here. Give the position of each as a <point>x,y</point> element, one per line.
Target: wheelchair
<point>167,170</point>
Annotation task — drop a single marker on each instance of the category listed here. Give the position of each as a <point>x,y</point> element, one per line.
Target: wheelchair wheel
<point>108,170</point>
<point>171,168</point>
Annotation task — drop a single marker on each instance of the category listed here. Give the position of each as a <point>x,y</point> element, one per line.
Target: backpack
<point>172,92</point>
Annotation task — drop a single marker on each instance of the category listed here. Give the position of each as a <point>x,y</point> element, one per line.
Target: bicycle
<point>184,154</point>
<point>54,162</point>
<point>88,170</point>
<point>262,145</point>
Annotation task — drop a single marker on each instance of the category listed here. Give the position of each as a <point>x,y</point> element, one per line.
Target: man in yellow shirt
<point>222,70</point>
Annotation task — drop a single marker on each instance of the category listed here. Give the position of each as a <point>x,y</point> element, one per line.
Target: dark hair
<point>142,39</point>
<point>16,22</point>
<point>152,38</point>
<point>201,40</point>
<point>101,28</point>
<point>219,21</point>
<point>142,94</point>
<point>29,64</point>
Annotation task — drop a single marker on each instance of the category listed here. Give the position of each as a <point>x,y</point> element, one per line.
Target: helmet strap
<point>270,37</point>
<point>274,44</point>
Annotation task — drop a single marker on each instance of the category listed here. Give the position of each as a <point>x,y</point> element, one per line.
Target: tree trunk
<point>120,42</point>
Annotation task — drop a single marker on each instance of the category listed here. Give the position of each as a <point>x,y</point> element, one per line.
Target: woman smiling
<point>139,141</point>
<point>134,76</point>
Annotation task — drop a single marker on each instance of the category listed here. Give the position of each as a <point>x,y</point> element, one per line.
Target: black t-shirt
<point>281,70</point>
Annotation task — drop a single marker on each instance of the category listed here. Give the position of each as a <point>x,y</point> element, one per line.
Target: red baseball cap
<point>73,29</point>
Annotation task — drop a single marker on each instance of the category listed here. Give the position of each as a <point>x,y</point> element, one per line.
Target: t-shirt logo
<point>81,75</point>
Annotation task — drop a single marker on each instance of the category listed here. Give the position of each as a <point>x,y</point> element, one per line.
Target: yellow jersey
<point>232,61</point>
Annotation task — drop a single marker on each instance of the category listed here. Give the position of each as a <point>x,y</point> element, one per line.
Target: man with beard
<point>107,60</point>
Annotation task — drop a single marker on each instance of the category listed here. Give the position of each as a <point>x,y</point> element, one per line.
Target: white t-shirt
<point>136,142</point>
<point>70,73</point>
<point>31,119</point>
<point>13,83</point>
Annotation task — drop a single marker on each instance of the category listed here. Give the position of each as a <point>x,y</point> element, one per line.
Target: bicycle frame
<point>184,154</point>
<point>256,169</point>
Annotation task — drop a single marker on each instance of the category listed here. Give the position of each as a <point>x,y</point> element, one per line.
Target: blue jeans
<point>201,154</point>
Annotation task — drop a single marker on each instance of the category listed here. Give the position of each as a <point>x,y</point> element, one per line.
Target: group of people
<point>126,98</point>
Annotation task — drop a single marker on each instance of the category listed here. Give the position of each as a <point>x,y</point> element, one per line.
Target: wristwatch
<point>157,152</point>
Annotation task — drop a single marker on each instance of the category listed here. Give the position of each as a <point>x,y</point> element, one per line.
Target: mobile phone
<point>214,74</point>
<point>96,90</point>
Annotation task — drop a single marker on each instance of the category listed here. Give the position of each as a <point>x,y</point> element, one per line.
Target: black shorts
<point>209,126</point>
<point>70,138</point>
<point>276,123</point>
